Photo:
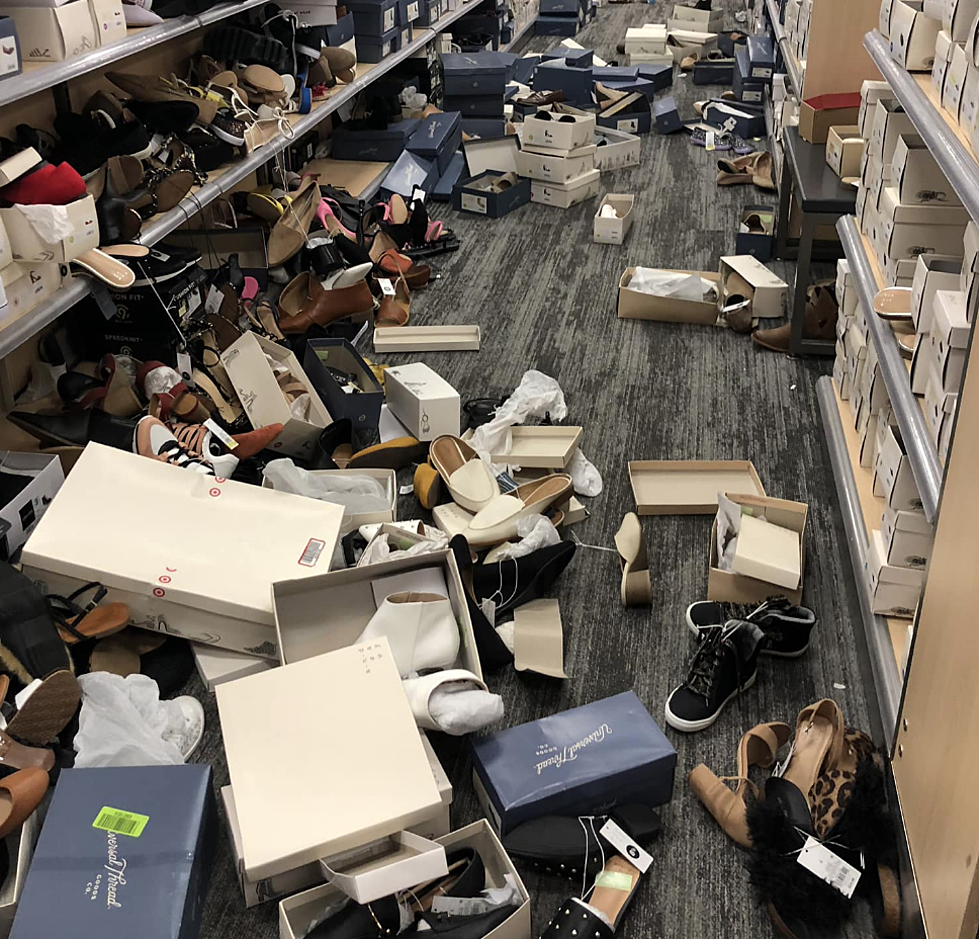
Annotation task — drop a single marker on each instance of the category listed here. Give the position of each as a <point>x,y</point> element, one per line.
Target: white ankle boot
<point>454,701</point>
<point>420,628</point>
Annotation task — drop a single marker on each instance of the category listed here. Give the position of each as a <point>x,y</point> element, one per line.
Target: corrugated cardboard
<point>688,487</point>
<point>818,114</point>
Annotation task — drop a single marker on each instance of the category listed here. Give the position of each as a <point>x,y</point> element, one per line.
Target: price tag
<point>387,288</point>
<point>418,194</point>
<point>185,365</point>
<point>622,843</point>
<point>489,611</point>
<point>120,821</point>
<point>406,490</point>
<point>819,860</point>
<point>212,304</point>
<point>710,145</point>
<point>221,434</point>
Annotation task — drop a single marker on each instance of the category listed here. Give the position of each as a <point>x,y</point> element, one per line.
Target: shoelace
<point>176,455</point>
<point>192,437</point>
<point>706,661</point>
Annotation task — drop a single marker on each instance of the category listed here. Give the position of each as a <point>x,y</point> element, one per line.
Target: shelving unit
<point>921,450</point>
<point>16,331</point>
<point>788,56</point>
<point>861,511</point>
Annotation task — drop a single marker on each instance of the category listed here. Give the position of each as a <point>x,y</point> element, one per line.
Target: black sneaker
<point>725,665</point>
<point>786,627</point>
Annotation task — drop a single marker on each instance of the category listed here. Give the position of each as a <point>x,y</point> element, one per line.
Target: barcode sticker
<point>387,288</point>
<point>311,553</point>
<point>819,860</point>
<point>120,821</point>
<point>221,434</point>
<point>710,140</point>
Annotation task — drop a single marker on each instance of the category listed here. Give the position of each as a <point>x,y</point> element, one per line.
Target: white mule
<point>420,628</point>
<point>498,521</point>
<point>469,480</point>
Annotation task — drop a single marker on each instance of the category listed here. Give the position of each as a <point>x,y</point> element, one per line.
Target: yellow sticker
<point>120,821</point>
<point>614,880</point>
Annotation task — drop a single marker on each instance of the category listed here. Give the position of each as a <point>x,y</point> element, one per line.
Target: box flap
<point>846,99</point>
<point>753,271</point>
<point>688,487</point>
<point>499,153</point>
<point>768,552</point>
<point>271,722</point>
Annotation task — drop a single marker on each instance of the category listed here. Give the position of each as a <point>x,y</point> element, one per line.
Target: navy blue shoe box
<point>745,119</point>
<point>374,145</point>
<point>442,190</point>
<point>746,88</point>
<point>557,24</point>
<point>660,75</point>
<point>555,75</point>
<point>429,12</point>
<point>761,58</point>
<point>575,58</point>
<point>438,137</point>
<point>475,83</point>
<point>469,196</point>
<point>409,172</point>
<point>342,31</point>
<point>666,115</point>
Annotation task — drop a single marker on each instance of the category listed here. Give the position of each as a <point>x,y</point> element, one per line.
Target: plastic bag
<point>585,478</point>
<point>123,722</point>
<point>728,527</point>
<point>380,549</point>
<point>676,284</point>
<point>356,494</point>
<point>535,532</point>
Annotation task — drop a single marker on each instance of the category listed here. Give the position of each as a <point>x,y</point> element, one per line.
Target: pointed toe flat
<point>497,521</point>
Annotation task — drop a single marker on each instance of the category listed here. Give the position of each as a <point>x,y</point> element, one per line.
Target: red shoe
<point>47,185</point>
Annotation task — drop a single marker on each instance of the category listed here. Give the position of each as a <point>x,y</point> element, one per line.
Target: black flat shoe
<point>334,438</point>
<point>30,646</point>
<point>526,579</point>
<point>560,844</point>
<point>382,918</point>
<point>493,652</point>
<point>77,428</point>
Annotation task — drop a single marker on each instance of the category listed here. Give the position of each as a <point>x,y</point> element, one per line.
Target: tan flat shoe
<point>395,310</point>
<point>290,231</point>
<point>112,272</point>
<point>761,171</point>
<point>758,747</point>
<point>636,588</point>
<point>20,795</point>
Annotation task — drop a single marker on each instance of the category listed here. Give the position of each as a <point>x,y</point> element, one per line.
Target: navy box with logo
<point>124,852</point>
<point>579,762</point>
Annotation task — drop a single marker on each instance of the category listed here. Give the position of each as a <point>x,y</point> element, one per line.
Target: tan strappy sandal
<point>758,747</point>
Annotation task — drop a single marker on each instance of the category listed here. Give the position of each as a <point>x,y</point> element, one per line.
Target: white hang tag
<point>710,140</point>
<point>387,288</point>
<point>213,302</point>
<point>461,906</point>
<point>489,611</point>
<point>622,843</point>
<point>185,366</point>
<point>407,489</point>
<point>317,241</point>
<point>418,194</point>
<point>819,860</point>
<point>221,434</point>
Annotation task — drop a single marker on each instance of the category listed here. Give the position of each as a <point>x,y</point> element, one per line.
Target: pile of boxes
<point>53,32</point>
<point>383,26</point>
<point>796,24</point>
<point>646,45</point>
<point>475,83</point>
<point>558,154</point>
<point>561,17</point>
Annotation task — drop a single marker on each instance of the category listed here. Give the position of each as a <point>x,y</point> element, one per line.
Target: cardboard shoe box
<point>617,149</point>
<point>324,361</point>
<point>639,305</point>
<point>31,481</point>
<point>763,553</point>
<point>896,590</point>
<point>27,245</point>
<point>254,381</point>
<point>54,33</point>
<point>582,761</point>
<point>768,289</point>
<point>907,231</point>
<point>548,166</point>
<point>559,131</point>
<point>613,231</point>
<point>944,49</point>
<point>565,195</point>
<point>491,193</point>
<point>125,851</point>
<point>949,337</point>
<point>819,113</point>
<point>222,598</point>
<point>940,407</point>
<point>955,76</point>
<point>422,400</point>
<point>933,272</point>
<point>299,912</point>
<point>890,121</point>
<point>913,36</point>
<point>908,538</point>
<point>893,478</point>
<point>916,176</point>
<point>307,875</point>
<point>844,148</point>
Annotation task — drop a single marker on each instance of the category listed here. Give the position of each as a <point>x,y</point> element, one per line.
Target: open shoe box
<point>386,787</point>
<point>297,913</point>
<point>386,477</point>
<point>353,595</point>
<point>688,487</point>
<point>908,538</point>
<point>769,290</point>
<point>307,875</point>
<point>27,245</point>
<point>538,446</point>
<point>54,33</point>
<point>740,587</point>
<point>636,305</point>
<point>895,590</point>
<point>613,231</point>
<point>261,397</point>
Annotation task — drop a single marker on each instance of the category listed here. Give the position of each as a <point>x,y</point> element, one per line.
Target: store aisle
<point>544,297</point>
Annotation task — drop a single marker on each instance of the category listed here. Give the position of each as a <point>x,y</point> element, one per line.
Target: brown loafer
<point>20,794</point>
<point>305,303</point>
<point>538,99</point>
<point>289,232</point>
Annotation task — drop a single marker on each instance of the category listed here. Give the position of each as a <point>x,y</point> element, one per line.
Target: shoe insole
<point>107,269</point>
<point>126,251</point>
<point>808,752</point>
<point>98,623</point>
<point>614,888</point>
<point>893,303</point>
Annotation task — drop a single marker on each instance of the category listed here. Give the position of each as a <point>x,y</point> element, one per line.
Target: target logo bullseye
<point>159,592</point>
<point>215,492</point>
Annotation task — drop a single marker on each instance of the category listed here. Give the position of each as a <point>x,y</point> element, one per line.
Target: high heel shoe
<point>384,253</point>
<point>421,629</point>
<point>289,232</point>
<point>758,747</point>
<point>331,221</point>
<point>636,588</point>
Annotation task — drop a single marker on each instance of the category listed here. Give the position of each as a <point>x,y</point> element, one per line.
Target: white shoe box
<point>422,400</point>
<point>895,590</point>
<point>949,339</point>
<point>932,273</point>
<point>908,538</point>
<point>893,478</point>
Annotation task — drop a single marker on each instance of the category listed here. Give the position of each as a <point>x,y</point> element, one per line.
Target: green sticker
<point>747,510</point>
<point>614,880</point>
<point>120,821</point>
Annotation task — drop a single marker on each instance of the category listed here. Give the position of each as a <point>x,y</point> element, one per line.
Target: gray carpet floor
<point>544,296</point>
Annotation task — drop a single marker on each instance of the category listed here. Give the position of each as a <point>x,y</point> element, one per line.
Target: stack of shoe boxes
<point>475,83</point>
<point>568,71</point>
<point>375,28</point>
<point>561,17</point>
<point>646,45</point>
<point>754,64</point>
<point>558,154</point>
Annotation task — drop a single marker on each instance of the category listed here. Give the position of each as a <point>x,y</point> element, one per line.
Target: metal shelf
<point>937,128</point>
<point>43,76</point>
<point>921,450</point>
<point>21,329</point>
<point>519,34</point>
<point>782,41</point>
<point>883,653</point>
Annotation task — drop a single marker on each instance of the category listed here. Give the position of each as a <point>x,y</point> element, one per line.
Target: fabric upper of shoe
<point>725,661</point>
<point>786,627</point>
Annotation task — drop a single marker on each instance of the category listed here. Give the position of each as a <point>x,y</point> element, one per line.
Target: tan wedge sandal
<point>758,747</point>
<point>636,588</point>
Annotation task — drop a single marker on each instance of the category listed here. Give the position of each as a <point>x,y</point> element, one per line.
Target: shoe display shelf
<point>16,331</point>
<point>792,68</point>
<point>45,75</point>
<point>521,30</point>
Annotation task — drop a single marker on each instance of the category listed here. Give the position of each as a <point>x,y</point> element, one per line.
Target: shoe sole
<point>695,629</point>
<point>766,345</point>
<point>161,278</point>
<point>48,710</point>
<point>689,727</point>
<point>383,456</point>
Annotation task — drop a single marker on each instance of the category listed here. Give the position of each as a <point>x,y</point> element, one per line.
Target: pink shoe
<point>325,211</point>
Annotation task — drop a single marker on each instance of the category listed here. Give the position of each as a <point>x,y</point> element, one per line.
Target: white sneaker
<point>154,439</point>
<point>420,628</point>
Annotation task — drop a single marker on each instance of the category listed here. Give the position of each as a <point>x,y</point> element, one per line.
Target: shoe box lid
<point>281,765</point>
<point>688,487</point>
<point>769,289</point>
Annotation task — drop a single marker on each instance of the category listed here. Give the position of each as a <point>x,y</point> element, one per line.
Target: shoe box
<point>572,55</point>
<point>127,851</point>
<point>767,556</point>
<point>688,487</point>
<point>247,362</point>
<point>474,74</point>
<point>324,358</point>
<point>565,195</point>
<point>759,245</point>
<point>540,163</point>
<point>667,115</point>
<point>558,24</point>
<point>311,874</point>
<point>373,145</point>
<point>844,150</point>
<point>718,71</point>
<point>649,39</point>
<point>760,54</point>
<point>480,194</point>
<point>11,57</point>
<point>931,274</point>
<point>422,400</point>
<point>893,478</point>
<point>456,170</point>
<point>744,119</point>
<point>606,753</point>
<point>818,114</point>
<point>409,172</point>
<point>437,139</point>
<point>895,591</point>
<point>69,237</point>
<point>692,17</point>
<point>907,231</point>
<point>668,306</point>
<point>916,176</point>
<point>223,599</point>
<point>28,483</point>
<point>215,244</point>
<point>631,114</point>
<point>939,408</point>
<point>342,32</point>
<point>615,149</point>
<point>969,278</point>
<point>53,33</point>
<point>948,340</point>
<point>908,538</point>
<point>768,291</point>
<point>890,121</point>
<point>298,913</point>
<point>557,75</point>
<point>365,846</point>
<point>561,132</point>
<point>110,20</point>
<point>314,13</point>
<point>26,284</point>
<point>216,666</point>
<point>373,19</point>
<point>613,230</point>
<point>913,35</point>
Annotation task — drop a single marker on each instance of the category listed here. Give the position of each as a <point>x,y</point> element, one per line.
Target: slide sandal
<point>76,623</point>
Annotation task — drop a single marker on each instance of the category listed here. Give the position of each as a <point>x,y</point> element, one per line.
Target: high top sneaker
<point>725,665</point>
<point>786,627</point>
<point>154,439</point>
